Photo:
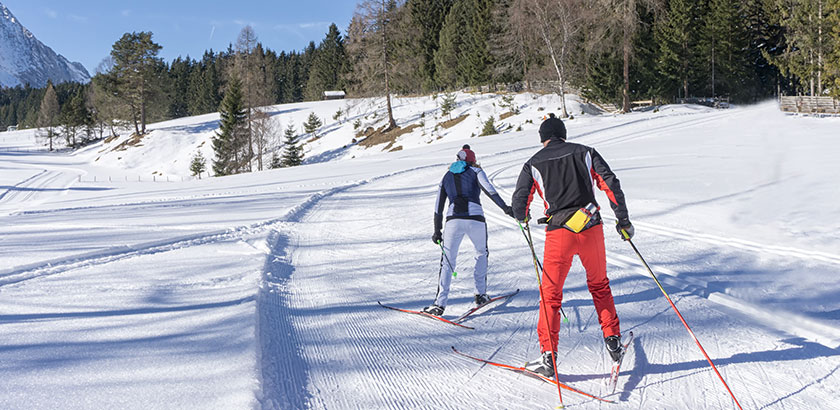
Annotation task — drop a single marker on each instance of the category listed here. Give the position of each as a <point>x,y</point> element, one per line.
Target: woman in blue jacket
<point>462,186</point>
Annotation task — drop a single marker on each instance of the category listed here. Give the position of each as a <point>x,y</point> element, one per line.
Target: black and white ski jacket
<point>565,176</point>
<point>462,186</point>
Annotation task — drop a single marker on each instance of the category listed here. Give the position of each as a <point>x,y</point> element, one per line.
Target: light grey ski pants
<point>453,232</point>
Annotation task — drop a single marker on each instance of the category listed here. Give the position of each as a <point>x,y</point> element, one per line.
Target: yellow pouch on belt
<point>580,218</point>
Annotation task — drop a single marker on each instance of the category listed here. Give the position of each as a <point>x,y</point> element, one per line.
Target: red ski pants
<point>561,245</point>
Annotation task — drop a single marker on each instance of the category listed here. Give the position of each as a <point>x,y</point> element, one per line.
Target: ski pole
<point>537,260</point>
<point>538,269</point>
<point>682,319</point>
<point>454,274</point>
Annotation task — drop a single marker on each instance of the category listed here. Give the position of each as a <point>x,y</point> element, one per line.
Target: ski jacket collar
<point>458,167</point>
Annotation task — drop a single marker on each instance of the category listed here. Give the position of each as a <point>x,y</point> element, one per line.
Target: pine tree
<point>229,142</point>
<point>721,37</point>
<point>48,114</point>
<point>180,72</point>
<point>427,18</point>
<point>489,127</point>
<point>674,34</point>
<point>451,70</point>
<point>761,36</point>
<point>312,123</point>
<point>328,65</point>
<point>204,85</point>
<point>477,55</point>
<point>293,152</point>
<point>833,61</point>
<point>137,73</point>
<point>198,164</point>
<point>447,104</point>
<point>276,161</point>
<point>74,116</point>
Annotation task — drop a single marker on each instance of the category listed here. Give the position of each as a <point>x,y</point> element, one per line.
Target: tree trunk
<point>136,123</point>
<point>819,47</point>
<point>391,123</point>
<point>142,111</point>
<point>625,92</point>
<point>544,32</point>
<point>713,69</point>
<point>250,141</point>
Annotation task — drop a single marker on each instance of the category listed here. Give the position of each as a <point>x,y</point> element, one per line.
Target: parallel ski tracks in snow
<point>287,334</point>
<point>816,330</point>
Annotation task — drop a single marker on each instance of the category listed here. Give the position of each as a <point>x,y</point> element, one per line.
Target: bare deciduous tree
<point>48,115</point>
<point>371,48</point>
<point>264,131</point>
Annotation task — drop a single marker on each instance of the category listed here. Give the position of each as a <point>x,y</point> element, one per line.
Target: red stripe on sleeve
<point>602,185</point>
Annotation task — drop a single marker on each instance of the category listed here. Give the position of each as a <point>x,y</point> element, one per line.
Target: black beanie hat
<point>552,127</point>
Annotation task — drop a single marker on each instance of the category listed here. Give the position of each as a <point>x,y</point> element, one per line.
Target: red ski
<point>475,309</point>
<point>527,372</point>
<point>417,312</point>
<point>616,367</point>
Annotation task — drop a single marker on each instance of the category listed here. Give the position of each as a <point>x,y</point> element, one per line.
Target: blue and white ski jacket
<point>462,186</point>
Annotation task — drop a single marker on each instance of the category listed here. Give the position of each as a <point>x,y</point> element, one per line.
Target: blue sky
<point>84,31</point>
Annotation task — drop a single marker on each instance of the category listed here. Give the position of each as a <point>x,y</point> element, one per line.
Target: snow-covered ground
<point>260,290</point>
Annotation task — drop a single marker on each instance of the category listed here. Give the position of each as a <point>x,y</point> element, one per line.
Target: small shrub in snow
<point>312,124</point>
<point>489,127</point>
<point>276,162</point>
<point>198,164</point>
<point>507,103</point>
<point>447,104</point>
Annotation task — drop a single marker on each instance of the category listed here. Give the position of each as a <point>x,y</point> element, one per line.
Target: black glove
<point>509,211</point>
<point>625,229</point>
<point>437,237</point>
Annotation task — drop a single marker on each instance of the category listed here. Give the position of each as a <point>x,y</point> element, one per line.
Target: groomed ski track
<point>366,243</point>
<point>297,288</point>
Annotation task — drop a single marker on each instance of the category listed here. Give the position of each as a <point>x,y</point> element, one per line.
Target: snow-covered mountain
<point>25,59</point>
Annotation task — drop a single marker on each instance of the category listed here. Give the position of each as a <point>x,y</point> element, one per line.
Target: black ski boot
<point>434,310</point>
<point>614,347</point>
<point>542,365</point>
<point>481,299</point>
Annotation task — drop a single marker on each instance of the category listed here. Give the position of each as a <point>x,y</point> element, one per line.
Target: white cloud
<point>51,13</point>
<point>126,13</point>
<point>317,24</point>
<point>77,18</point>
<point>243,23</point>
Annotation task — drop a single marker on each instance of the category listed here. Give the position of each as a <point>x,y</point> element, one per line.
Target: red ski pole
<point>683,320</point>
<point>545,308</point>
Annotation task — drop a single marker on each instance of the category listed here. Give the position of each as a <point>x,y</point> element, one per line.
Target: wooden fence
<point>807,104</point>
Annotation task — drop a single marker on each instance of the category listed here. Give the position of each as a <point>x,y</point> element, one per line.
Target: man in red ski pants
<point>565,174</point>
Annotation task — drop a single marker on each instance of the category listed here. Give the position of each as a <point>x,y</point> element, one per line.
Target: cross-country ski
<point>527,372</point>
<point>481,307</point>
<point>615,370</point>
<point>425,314</point>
